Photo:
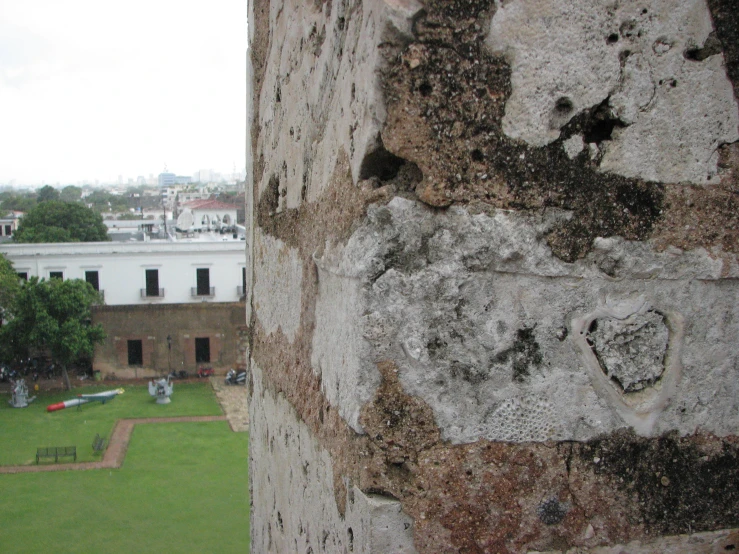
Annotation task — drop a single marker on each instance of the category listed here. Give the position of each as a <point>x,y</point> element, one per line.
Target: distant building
<point>9,224</point>
<point>169,179</point>
<point>210,214</point>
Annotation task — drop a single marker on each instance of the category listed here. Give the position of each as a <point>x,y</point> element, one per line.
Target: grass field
<point>22,430</point>
<point>183,487</point>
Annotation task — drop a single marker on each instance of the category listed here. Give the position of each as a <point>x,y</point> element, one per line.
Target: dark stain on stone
<point>457,139</point>
<point>726,22</point>
<point>551,511</point>
<point>711,47</point>
<point>524,353</point>
<point>681,487</point>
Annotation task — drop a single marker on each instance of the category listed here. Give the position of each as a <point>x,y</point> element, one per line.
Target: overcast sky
<point>94,89</point>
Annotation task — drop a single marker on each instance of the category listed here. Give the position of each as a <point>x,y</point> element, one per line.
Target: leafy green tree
<point>54,316</point>
<point>9,288</point>
<point>56,221</point>
<point>10,200</point>
<point>47,193</point>
<point>70,193</point>
<point>103,201</point>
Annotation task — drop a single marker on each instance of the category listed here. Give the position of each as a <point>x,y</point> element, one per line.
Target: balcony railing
<point>152,293</point>
<point>195,291</point>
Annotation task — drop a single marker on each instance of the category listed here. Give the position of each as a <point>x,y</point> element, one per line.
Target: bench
<point>98,443</point>
<point>56,452</point>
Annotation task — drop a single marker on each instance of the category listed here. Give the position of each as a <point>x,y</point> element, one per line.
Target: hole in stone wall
<point>425,88</point>
<point>561,113</point>
<point>270,199</point>
<point>380,163</point>
<point>711,47</point>
<point>477,155</point>
<point>602,124</point>
<point>612,38</point>
<point>563,106</point>
<point>278,95</point>
<point>628,28</point>
<point>351,539</point>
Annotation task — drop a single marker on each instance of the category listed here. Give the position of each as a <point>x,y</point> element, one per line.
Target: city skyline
<point>202,175</point>
<point>90,91</point>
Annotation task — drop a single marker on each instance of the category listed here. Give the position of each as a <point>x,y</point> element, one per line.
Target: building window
<point>8,230</point>
<point>152,282</point>
<point>203,283</point>
<point>135,352</point>
<point>23,275</point>
<point>93,278</point>
<point>243,281</point>
<point>202,350</point>
<point>56,275</point>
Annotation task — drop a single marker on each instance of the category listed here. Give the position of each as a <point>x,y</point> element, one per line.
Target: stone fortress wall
<point>492,263</point>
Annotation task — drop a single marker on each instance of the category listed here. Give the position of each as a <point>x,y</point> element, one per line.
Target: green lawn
<point>182,488</point>
<point>22,430</point>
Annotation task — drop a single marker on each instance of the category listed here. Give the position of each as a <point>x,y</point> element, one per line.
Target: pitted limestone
<point>322,93</point>
<point>631,351</point>
<point>569,56</point>
<point>294,508</point>
<point>277,287</point>
<point>476,313</point>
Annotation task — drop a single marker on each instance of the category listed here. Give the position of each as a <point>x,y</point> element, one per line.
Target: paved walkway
<point>117,446</point>
<point>232,399</point>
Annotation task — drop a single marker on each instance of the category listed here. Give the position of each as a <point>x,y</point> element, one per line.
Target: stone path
<point>231,398</point>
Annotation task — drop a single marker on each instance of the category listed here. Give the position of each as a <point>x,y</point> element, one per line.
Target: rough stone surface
<point>293,505</point>
<point>277,284</point>
<point>339,353</point>
<point>700,543</point>
<point>460,321</point>
<point>479,318</point>
<point>631,351</point>
<point>323,90</point>
<point>636,59</point>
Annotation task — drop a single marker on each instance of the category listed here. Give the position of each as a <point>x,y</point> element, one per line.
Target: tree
<point>47,193</point>
<point>9,287</point>
<point>9,200</point>
<point>71,193</point>
<point>56,221</point>
<point>103,201</point>
<point>55,316</point>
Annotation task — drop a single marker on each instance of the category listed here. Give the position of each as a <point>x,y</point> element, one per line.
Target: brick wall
<point>152,324</point>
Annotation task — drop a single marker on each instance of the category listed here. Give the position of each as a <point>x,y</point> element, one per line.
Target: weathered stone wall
<point>493,252</point>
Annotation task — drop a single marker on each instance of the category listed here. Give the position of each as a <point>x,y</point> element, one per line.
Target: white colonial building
<point>140,272</point>
<point>209,214</point>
